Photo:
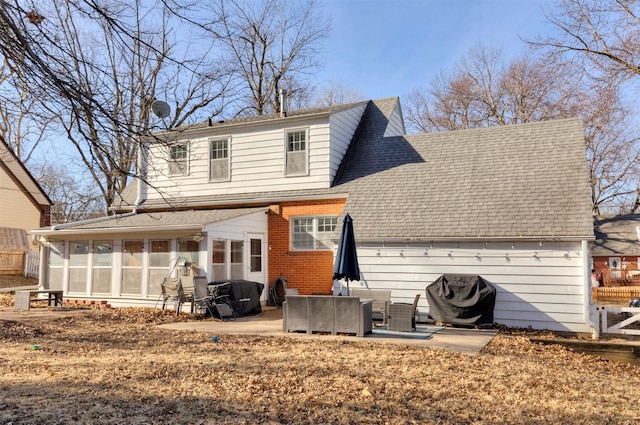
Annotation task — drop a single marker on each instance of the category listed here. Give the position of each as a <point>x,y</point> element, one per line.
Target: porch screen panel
<point>159,266</point>
<point>56,264</point>
<point>78,258</point>
<point>237,270</point>
<point>132,267</point>
<point>219,260</point>
<point>102,253</point>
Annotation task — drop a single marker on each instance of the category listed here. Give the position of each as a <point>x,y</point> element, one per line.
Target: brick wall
<point>308,271</point>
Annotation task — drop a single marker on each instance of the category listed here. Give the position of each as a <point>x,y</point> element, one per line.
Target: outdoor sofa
<point>327,314</point>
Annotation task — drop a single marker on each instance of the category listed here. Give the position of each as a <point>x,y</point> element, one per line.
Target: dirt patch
<point>11,281</point>
<point>115,366</point>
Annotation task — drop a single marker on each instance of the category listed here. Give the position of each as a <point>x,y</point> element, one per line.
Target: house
<point>25,206</point>
<point>616,250</point>
<point>263,198</point>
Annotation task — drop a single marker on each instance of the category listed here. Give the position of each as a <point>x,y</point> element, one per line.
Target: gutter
<point>532,238</point>
<point>89,221</point>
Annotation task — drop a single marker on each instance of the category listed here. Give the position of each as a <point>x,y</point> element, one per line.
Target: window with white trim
<point>312,233</point>
<point>297,153</point>
<point>219,159</point>
<point>178,160</point>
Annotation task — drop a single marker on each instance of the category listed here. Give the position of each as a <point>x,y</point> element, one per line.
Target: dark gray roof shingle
<point>616,235</point>
<point>522,181</point>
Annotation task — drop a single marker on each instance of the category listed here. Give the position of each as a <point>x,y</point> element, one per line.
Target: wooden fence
<point>11,262</point>
<point>618,295</point>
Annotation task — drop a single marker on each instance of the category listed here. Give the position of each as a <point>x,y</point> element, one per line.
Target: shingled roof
<point>525,181</point>
<point>616,235</point>
<point>521,181</point>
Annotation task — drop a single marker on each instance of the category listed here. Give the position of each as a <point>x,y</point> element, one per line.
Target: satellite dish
<point>161,109</point>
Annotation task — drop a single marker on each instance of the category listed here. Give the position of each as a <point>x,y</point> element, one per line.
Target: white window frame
<point>302,152</point>
<point>175,162</point>
<point>226,159</point>
<point>316,239</point>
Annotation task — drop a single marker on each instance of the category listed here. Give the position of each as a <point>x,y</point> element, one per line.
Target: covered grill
<point>461,299</point>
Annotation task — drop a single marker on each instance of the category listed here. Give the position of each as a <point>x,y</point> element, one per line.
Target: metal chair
<point>201,298</point>
<point>172,292</point>
<point>221,300</point>
<point>402,316</point>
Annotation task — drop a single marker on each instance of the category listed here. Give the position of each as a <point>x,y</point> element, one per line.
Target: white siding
<point>537,286</point>
<point>257,163</point>
<point>16,209</point>
<point>343,126</point>
<point>396,123</point>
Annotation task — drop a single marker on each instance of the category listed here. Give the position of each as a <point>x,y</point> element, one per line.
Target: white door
<point>256,264</point>
<point>614,267</point>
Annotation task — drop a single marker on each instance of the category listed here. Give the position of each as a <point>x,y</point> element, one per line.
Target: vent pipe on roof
<point>283,103</point>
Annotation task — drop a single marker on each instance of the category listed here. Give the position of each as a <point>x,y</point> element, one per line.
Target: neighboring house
<point>24,207</point>
<point>264,197</point>
<point>24,204</point>
<point>616,250</point>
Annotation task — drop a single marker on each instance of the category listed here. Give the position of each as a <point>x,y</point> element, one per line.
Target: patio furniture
<point>402,316</point>
<point>172,292</point>
<point>295,314</point>
<point>219,295</point>
<point>326,313</point>
<point>201,299</point>
<point>23,298</point>
<point>380,299</point>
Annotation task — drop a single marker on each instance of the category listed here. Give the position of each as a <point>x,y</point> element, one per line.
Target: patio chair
<point>172,292</point>
<point>201,299</point>
<point>402,316</point>
<point>221,302</point>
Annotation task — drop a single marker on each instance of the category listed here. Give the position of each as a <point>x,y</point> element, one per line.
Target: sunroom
<point>123,259</point>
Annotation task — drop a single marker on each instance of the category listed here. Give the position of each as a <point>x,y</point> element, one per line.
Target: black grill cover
<point>461,299</point>
<point>244,296</point>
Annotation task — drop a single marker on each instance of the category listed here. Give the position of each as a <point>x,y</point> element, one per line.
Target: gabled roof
<point>616,235</point>
<point>524,181</point>
<point>261,119</point>
<point>21,176</point>
<point>520,181</point>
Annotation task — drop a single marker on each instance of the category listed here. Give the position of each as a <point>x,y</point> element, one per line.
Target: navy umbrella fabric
<point>346,265</point>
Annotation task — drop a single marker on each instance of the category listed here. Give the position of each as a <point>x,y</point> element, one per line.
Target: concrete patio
<point>269,323</point>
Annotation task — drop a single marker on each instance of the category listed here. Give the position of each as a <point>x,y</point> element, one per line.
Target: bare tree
<point>483,90</point>
<point>604,37</point>
<point>274,45</point>
<point>335,93</point>
<point>72,200</point>
<point>602,34</point>
<point>99,66</point>
<point>23,124</point>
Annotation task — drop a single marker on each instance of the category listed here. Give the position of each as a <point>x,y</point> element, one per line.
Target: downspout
<point>587,302</point>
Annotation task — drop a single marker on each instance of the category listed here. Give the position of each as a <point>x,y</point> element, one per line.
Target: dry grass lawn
<point>114,366</point>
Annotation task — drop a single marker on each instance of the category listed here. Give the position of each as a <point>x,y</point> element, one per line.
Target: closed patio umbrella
<point>346,265</point>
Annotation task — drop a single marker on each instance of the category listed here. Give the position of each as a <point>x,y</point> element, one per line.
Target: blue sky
<point>389,47</point>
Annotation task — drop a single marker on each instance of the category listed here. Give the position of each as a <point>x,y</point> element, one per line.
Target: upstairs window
<point>297,153</point>
<point>312,233</point>
<point>219,159</point>
<point>178,159</point>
